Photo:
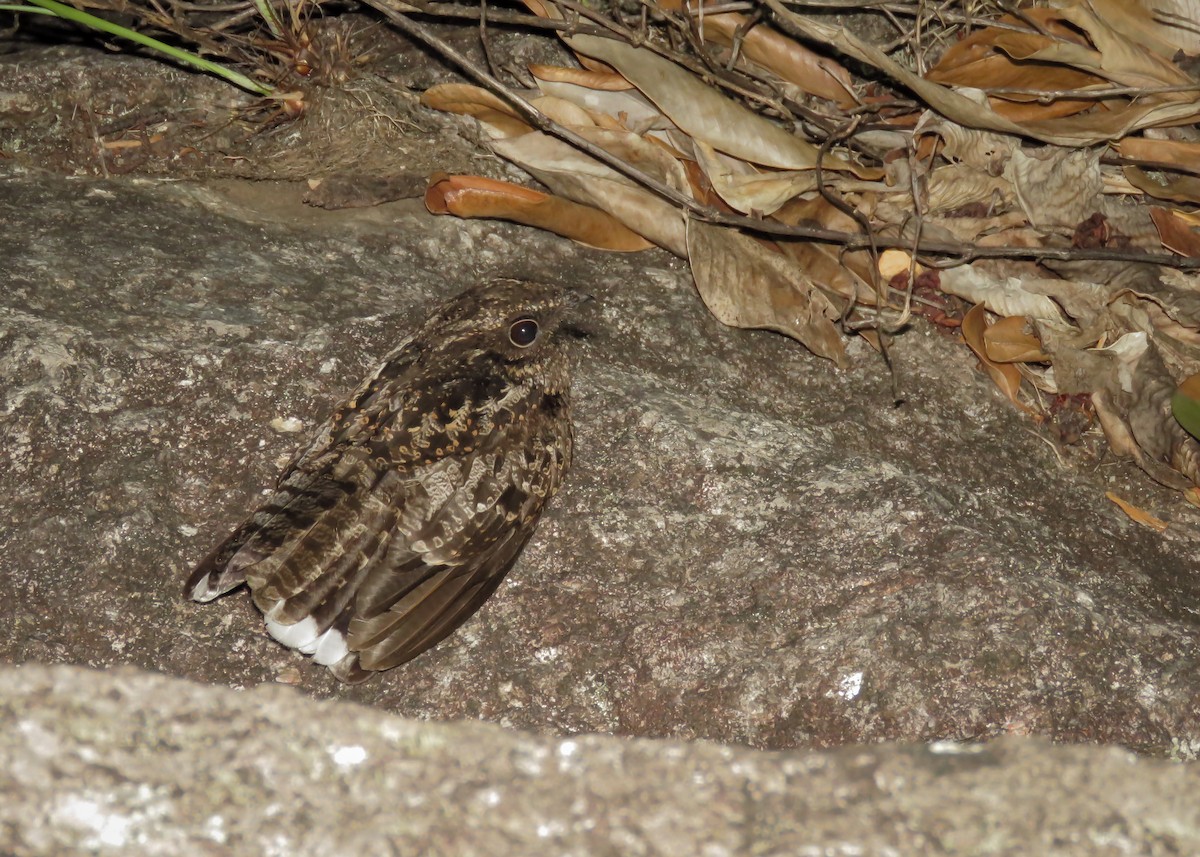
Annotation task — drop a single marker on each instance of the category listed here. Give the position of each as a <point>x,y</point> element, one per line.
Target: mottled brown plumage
<point>405,511</point>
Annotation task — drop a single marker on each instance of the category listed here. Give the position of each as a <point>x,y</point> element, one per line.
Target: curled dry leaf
<point>1117,56</point>
<point>1177,234</point>
<point>1009,341</point>
<point>787,58</point>
<point>496,116</point>
<point>983,150</point>
<point>1003,297</point>
<point>1121,441</point>
<point>955,186</point>
<point>704,113</point>
<point>564,112</point>
<point>745,284</point>
<point>476,196</point>
<point>1163,440</point>
<point>990,58</point>
<point>1057,188</point>
<point>1085,129</point>
<point>628,107</point>
<point>581,178</point>
<point>951,104</point>
<point>1174,188</point>
<point>1086,303</point>
<point>1183,155</point>
<point>746,189</point>
<point>1149,414</point>
<point>1005,376</point>
<point>605,81</point>
<point>1148,23</point>
<point>1176,293</point>
<point>1076,369</point>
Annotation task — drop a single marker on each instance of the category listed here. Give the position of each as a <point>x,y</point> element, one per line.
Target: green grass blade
<point>70,13</point>
<point>268,14</point>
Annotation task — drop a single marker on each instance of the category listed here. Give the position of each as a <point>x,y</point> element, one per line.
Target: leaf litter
<point>1036,171</point>
<point>1024,176</point>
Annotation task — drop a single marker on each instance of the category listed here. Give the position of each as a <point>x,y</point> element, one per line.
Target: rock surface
<point>752,547</point>
<point>123,762</point>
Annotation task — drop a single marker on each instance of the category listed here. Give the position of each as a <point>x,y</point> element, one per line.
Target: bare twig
<point>483,36</point>
<point>929,250</point>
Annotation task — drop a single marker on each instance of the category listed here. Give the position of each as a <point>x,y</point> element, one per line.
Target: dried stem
<point>932,253</point>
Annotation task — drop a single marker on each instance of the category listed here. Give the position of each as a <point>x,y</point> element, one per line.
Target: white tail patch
<point>332,648</point>
<point>298,636</point>
<point>327,648</point>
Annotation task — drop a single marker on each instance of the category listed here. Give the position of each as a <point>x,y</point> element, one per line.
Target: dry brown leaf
<point>746,189</point>
<point>1183,155</point>
<point>1118,57</point>
<point>791,61</point>
<point>1176,293</point>
<point>1131,391</point>
<point>1078,49</point>
<point>1132,18</point>
<point>1077,367</point>
<point>949,103</point>
<point>1137,514</point>
<point>496,116</point>
<point>1116,431</point>
<point>1094,127</point>
<point>1150,418</point>
<point>1009,341</point>
<point>1180,344</point>
<point>1176,233</point>
<point>1086,303</point>
<point>1057,188</point>
<point>978,62</point>
<point>1004,297</point>
<point>745,284</point>
<point>564,112</point>
<point>1101,126</point>
<point>1003,375</point>
<point>598,80</point>
<point>953,186</point>
<point>476,196</point>
<point>627,107</point>
<point>1007,229</point>
<point>704,113</point>
<point>845,274</point>
<point>647,154</point>
<point>1174,188</point>
<point>581,178</point>
<point>984,150</point>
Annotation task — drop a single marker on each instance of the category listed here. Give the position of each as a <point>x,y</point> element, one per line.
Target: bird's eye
<point>523,333</point>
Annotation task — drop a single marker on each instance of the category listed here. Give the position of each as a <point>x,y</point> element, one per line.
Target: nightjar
<point>394,524</point>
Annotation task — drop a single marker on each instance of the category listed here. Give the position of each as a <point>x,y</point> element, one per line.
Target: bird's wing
<point>323,475</point>
<point>443,567</point>
<point>382,547</point>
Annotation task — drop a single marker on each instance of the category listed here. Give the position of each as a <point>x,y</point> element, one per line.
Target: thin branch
<point>961,252</point>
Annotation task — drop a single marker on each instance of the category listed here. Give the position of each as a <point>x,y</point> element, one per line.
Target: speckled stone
<point>128,763</point>
<point>752,547</point>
